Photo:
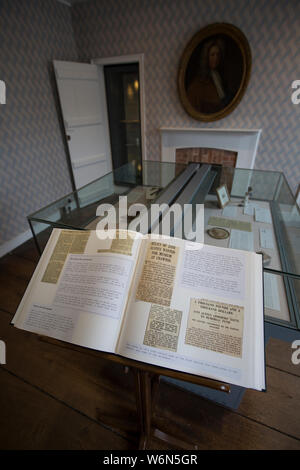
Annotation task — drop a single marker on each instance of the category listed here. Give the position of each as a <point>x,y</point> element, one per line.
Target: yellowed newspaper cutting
<point>69,241</point>
<point>215,326</point>
<point>119,245</point>
<point>157,278</point>
<point>230,223</point>
<point>163,328</point>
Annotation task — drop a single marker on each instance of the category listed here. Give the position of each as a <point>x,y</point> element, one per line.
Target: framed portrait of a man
<point>214,72</point>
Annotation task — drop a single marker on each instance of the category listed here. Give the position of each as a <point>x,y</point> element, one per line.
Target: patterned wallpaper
<point>33,164</point>
<point>161,29</point>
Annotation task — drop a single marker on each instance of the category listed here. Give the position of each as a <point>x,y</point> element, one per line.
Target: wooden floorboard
<point>96,387</point>
<point>11,292</point>
<point>31,419</point>
<point>279,406</point>
<point>54,397</point>
<point>210,426</point>
<point>27,251</point>
<point>14,267</point>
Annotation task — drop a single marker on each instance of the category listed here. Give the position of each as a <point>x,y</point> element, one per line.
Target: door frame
<point>128,59</point>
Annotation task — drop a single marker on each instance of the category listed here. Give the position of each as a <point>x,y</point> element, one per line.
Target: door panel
<point>83,104</point>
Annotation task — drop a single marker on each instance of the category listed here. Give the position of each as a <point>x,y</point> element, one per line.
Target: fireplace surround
<point>242,141</point>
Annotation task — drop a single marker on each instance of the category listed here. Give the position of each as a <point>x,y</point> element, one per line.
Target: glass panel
<point>276,232</point>
<point>263,183</point>
<point>41,233</point>
<point>277,300</point>
<point>269,191</point>
<point>288,220</point>
<point>78,209</point>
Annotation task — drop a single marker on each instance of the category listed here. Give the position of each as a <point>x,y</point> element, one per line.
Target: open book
<point>173,303</point>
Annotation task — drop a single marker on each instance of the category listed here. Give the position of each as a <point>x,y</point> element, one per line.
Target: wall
<point>161,29</point>
<point>33,165</point>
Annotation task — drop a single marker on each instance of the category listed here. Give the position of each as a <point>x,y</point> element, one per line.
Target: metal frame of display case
<point>288,278</point>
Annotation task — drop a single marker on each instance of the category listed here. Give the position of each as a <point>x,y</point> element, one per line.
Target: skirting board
<point>6,247</point>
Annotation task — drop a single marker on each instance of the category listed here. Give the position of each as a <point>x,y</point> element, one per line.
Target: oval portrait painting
<point>214,72</point>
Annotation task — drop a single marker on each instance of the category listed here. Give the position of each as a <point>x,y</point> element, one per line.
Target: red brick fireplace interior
<point>224,158</point>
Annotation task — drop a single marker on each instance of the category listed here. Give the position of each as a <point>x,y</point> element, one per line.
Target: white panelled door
<point>82,96</point>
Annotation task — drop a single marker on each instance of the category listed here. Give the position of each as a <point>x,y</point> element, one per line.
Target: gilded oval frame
<point>242,61</point>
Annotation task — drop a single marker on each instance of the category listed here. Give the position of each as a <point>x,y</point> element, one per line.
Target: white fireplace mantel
<point>242,141</point>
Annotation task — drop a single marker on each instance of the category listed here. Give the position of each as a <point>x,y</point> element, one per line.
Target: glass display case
<point>266,220</point>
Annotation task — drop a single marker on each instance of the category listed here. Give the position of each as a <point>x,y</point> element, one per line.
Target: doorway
<point>122,83</point>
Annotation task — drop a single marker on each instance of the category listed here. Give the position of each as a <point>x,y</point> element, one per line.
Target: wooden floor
<point>54,397</point>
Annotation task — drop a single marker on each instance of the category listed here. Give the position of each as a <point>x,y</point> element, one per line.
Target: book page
<point>84,302</point>
<point>95,284</point>
<point>208,326</point>
<point>157,280</point>
<point>50,321</point>
<point>220,273</point>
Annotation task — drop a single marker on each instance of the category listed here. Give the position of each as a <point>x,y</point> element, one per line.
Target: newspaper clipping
<point>69,241</point>
<point>163,328</point>
<point>157,278</point>
<point>122,244</point>
<point>215,326</point>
